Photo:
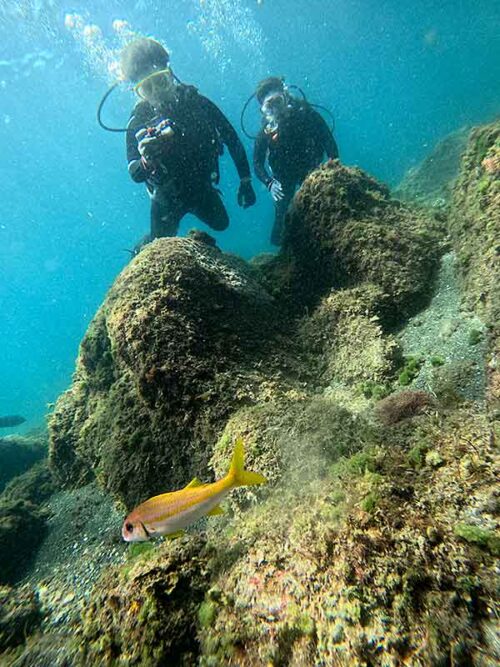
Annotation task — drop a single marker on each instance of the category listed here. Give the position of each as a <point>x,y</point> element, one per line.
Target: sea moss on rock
<point>146,612</point>
<point>171,352</point>
<point>368,564</point>
<point>291,441</point>
<point>20,452</point>
<point>366,568</point>
<point>20,614</point>
<point>474,228</point>
<point>344,229</point>
<point>344,337</point>
<point>23,520</point>
<point>475,220</point>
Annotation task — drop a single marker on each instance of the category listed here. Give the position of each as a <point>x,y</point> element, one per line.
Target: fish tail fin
<point>237,474</point>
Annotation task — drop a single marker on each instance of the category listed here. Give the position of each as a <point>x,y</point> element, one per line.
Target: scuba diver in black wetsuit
<point>294,139</point>
<point>175,137</point>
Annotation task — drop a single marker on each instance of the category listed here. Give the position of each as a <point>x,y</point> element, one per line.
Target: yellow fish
<point>170,513</point>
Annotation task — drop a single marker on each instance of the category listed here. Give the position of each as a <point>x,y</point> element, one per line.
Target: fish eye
<point>129,527</point>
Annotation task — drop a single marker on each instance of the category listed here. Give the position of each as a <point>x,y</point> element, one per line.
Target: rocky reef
<point>475,231</point>
<point>344,229</point>
<point>18,453</point>
<point>431,182</point>
<point>175,347</point>
<point>374,541</point>
<point>23,520</point>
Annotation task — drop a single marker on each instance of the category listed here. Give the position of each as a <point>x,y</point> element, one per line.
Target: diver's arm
<point>259,159</point>
<point>229,138</point>
<point>327,139</point>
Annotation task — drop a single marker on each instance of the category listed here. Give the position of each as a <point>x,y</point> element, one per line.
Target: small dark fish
<point>11,420</point>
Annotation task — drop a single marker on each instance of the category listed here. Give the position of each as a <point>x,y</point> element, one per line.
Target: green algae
<point>475,336</point>
<point>140,550</point>
<point>207,613</point>
<point>371,389</point>
<point>416,455</point>
<point>481,537</point>
<point>410,370</point>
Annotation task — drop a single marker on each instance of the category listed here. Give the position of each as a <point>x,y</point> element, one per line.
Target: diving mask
<point>154,86</point>
<point>272,108</point>
<point>273,104</point>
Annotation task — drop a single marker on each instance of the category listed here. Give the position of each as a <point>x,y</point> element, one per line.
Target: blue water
<point>398,76</point>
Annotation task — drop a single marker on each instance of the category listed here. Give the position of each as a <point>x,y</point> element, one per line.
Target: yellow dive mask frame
<point>149,82</point>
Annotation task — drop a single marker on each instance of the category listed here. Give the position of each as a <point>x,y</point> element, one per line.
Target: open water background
<point>398,76</point>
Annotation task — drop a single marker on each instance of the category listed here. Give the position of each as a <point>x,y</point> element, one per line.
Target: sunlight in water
<point>227,28</point>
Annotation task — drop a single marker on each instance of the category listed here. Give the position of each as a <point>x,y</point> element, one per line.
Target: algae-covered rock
<point>366,567</point>
<point>23,520</point>
<point>475,221</point>
<point>146,612</point>
<point>20,614</point>
<point>431,182</point>
<point>344,229</point>
<point>20,452</point>
<point>475,231</point>
<point>345,339</point>
<point>172,350</point>
<point>295,439</point>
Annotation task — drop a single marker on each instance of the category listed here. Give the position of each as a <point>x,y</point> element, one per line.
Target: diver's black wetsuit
<point>302,139</point>
<point>189,165</point>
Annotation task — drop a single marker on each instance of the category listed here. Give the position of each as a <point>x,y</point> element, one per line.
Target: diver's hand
<point>246,194</point>
<point>151,141</point>
<point>150,148</point>
<point>276,190</point>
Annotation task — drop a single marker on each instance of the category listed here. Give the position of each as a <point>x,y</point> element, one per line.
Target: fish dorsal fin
<point>215,511</point>
<point>194,483</point>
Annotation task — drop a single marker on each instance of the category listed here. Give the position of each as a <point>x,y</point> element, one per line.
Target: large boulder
<point>344,229</point>
<point>23,518</point>
<point>173,349</point>
<point>18,453</point>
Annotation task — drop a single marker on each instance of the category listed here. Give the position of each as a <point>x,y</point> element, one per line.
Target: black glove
<point>246,194</point>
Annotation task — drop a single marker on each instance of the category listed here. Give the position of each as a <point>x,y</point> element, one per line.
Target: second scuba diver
<point>293,139</point>
<point>175,137</point>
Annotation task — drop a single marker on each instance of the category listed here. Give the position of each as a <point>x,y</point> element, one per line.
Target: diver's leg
<point>280,209</point>
<point>167,210</point>
<point>165,218</point>
<point>210,209</point>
